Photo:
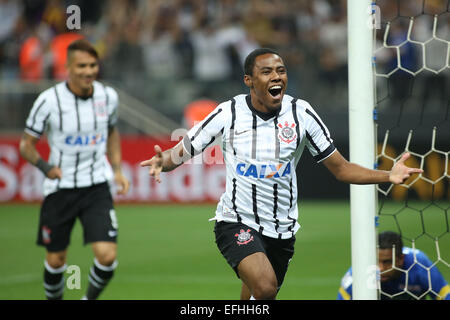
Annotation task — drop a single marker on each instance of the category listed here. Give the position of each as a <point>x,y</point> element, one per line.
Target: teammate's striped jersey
<point>261,155</point>
<point>77,133</point>
<point>420,281</point>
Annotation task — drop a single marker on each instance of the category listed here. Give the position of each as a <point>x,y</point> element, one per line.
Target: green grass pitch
<point>168,252</point>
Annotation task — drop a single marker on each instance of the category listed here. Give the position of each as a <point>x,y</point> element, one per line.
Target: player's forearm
<point>27,149</point>
<point>353,173</point>
<point>356,174</point>
<point>114,150</point>
<point>173,158</point>
<point>29,152</point>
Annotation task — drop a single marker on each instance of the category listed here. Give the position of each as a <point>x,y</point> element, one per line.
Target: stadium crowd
<point>159,42</point>
<point>148,47</point>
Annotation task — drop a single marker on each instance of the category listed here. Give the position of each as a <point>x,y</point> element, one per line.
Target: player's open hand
<point>155,164</point>
<point>400,172</point>
<point>122,183</point>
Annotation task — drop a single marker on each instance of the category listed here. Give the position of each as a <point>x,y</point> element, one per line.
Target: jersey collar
<point>263,115</point>
<point>80,97</point>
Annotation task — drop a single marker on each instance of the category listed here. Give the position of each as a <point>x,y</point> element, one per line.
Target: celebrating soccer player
<point>263,136</point>
<point>79,117</point>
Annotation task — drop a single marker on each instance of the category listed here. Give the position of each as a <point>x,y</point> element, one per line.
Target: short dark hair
<point>389,239</point>
<point>250,60</point>
<point>82,45</point>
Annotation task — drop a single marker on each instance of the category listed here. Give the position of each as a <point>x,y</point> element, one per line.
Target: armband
<point>44,166</point>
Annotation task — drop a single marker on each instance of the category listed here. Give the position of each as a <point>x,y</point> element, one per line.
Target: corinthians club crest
<point>46,231</point>
<point>287,132</point>
<point>243,237</point>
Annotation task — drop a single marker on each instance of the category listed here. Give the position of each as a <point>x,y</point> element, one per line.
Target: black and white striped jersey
<point>77,133</point>
<point>261,154</point>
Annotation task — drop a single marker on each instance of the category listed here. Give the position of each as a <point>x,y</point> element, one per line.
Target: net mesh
<point>411,65</point>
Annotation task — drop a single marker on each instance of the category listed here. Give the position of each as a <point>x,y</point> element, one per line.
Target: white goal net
<point>411,65</point>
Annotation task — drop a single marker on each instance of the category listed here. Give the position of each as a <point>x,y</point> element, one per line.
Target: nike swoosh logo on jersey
<point>238,133</point>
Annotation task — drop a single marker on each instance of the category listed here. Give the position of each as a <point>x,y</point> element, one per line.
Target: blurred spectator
<point>210,60</point>
<point>401,81</point>
<point>309,17</point>
<point>11,28</point>
<point>10,11</point>
<point>286,33</point>
<point>55,16</point>
<point>197,110</point>
<point>35,57</point>
<point>159,41</point>
<point>58,47</point>
<point>32,59</point>
<point>92,10</point>
<point>257,22</point>
<point>213,45</point>
<point>124,51</point>
<point>333,48</point>
<point>33,11</point>
<point>434,85</point>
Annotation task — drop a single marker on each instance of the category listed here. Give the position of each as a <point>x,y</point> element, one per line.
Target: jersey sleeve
<point>444,293</point>
<point>204,133</point>
<point>319,141</point>
<point>113,106</point>
<point>37,119</point>
<point>345,289</point>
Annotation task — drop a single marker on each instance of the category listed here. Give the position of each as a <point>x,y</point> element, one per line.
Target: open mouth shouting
<point>275,91</point>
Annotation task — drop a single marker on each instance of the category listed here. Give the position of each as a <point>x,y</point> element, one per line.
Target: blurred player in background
<point>263,136</point>
<point>79,117</point>
<point>393,273</point>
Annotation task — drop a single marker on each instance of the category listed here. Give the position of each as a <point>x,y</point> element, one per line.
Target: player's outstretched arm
<point>164,161</point>
<point>349,172</point>
<point>28,151</point>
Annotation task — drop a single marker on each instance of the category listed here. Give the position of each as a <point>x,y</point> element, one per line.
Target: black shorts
<point>59,211</point>
<point>237,241</point>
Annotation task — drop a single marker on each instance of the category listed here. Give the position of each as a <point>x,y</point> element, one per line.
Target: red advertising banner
<point>200,180</point>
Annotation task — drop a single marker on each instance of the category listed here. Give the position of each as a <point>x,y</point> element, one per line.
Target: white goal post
<point>362,148</point>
